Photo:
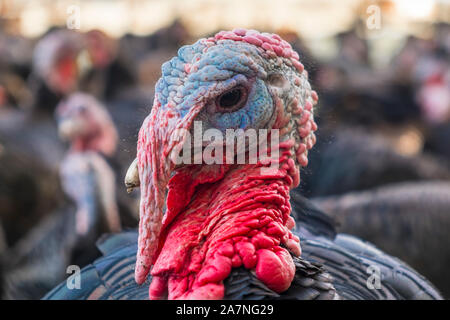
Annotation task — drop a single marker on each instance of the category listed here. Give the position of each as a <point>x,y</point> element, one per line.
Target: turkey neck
<point>90,142</point>
<point>222,217</point>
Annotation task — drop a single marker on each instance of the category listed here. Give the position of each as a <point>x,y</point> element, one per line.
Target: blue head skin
<point>221,69</point>
<point>236,80</point>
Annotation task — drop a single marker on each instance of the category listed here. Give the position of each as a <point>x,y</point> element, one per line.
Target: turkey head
<point>202,216</point>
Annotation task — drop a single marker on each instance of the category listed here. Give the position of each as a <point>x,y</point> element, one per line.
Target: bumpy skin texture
<point>220,217</point>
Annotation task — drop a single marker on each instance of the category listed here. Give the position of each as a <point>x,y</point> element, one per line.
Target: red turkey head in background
<point>102,49</point>
<point>198,221</point>
<point>63,58</point>
<point>54,60</point>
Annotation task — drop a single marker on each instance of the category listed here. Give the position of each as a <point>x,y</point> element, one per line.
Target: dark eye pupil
<point>230,98</point>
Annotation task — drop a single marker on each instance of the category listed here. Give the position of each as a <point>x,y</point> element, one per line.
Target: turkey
<point>59,61</point>
<point>351,159</point>
<point>39,260</point>
<point>410,220</point>
<point>85,174</point>
<point>221,227</point>
<point>65,61</point>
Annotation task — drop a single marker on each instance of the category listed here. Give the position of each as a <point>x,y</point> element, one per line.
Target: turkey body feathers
<point>408,220</point>
<point>38,262</point>
<point>330,267</point>
<point>110,277</point>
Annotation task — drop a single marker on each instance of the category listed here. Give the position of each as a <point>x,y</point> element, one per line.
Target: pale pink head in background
<point>86,123</point>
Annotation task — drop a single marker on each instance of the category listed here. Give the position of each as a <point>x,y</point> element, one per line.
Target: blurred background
<point>79,75</point>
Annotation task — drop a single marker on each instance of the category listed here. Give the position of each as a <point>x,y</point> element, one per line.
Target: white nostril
<point>278,80</point>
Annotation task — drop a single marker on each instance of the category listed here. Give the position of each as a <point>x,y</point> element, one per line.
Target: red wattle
<point>275,268</point>
<point>236,217</point>
<point>220,217</point>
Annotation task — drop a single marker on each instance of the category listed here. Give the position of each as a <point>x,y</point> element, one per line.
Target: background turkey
<point>66,237</point>
<point>409,220</point>
<point>351,159</point>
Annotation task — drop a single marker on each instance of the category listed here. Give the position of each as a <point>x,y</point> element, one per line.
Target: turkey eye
<point>232,99</point>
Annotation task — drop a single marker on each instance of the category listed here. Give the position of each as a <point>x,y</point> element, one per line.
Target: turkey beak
<point>68,128</point>
<point>132,177</point>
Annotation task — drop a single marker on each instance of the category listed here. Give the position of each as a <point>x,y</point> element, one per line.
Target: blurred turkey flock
<point>381,166</point>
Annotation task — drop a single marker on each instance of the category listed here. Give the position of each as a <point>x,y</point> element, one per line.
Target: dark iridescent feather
<point>408,220</point>
<point>331,267</point>
<point>109,277</point>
